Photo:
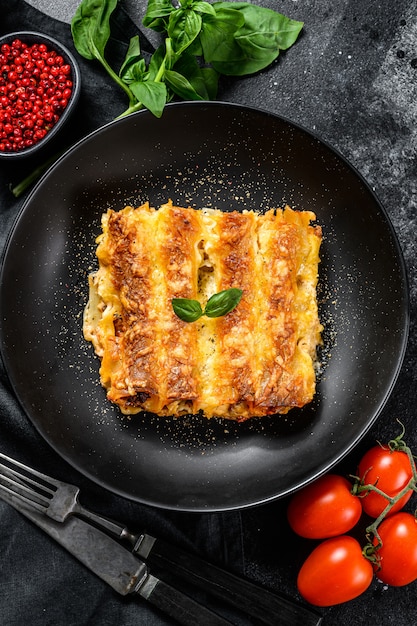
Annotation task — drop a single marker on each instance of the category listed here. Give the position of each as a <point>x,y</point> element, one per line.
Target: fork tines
<point>22,485</point>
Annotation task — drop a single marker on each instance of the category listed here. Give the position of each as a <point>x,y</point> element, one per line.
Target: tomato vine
<point>340,568</point>
<point>361,489</point>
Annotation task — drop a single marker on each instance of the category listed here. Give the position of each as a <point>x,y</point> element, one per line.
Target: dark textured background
<point>352,79</point>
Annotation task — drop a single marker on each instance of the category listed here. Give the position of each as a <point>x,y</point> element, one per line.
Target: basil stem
<point>90,29</point>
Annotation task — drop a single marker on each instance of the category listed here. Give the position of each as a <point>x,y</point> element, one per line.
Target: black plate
<point>230,157</point>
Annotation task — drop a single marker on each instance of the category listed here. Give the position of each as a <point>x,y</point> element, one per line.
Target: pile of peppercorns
<point>35,88</point>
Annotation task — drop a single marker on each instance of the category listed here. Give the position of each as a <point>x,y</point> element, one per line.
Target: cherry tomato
<point>325,508</point>
<point>398,553</point>
<point>335,572</point>
<point>390,471</point>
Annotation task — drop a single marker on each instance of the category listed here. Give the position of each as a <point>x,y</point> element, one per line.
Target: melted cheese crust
<point>257,360</point>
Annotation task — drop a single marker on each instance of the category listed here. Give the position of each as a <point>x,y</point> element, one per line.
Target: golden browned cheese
<point>257,360</point>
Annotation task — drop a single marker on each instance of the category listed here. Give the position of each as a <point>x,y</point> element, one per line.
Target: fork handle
<point>105,523</point>
<point>249,598</point>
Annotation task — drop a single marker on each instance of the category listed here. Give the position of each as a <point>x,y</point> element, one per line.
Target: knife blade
<point>118,567</point>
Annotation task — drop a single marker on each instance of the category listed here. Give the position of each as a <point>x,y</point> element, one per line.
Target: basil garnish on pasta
<point>219,304</point>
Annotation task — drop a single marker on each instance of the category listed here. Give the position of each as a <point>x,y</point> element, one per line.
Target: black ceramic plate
<point>230,157</point>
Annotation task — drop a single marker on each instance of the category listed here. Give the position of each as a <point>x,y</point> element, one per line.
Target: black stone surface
<point>352,80</point>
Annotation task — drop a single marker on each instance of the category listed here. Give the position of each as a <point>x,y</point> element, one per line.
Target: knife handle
<point>251,599</point>
<point>177,605</point>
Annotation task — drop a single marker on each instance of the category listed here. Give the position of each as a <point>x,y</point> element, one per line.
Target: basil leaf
<point>258,41</point>
<point>203,80</point>
<point>203,7</point>
<point>135,72</point>
<point>90,27</point>
<point>133,59</point>
<point>157,61</point>
<point>183,28</point>
<point>265,29</point>
<point>181,86</point>
<point>211,81</point>
<point>152,95</point>
<point>217,35</point>
<point>157,14</point>
<point>186,309</point>
<point>223,302</point>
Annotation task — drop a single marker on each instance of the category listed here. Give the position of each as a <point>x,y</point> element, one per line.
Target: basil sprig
<point>218,305</point>
<point>201,41</point>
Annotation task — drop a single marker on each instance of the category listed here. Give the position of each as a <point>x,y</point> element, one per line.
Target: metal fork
<point>52,497</point>
<point>58,500</point>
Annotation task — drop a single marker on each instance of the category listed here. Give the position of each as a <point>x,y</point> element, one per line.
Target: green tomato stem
<point>370,550</point>
<point>372,529</point>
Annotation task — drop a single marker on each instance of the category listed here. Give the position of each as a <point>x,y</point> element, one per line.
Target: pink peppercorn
<point>35,88</point>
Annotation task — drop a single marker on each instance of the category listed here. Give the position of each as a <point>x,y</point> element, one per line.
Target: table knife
<point>268,608</point>
<point>118,567</point>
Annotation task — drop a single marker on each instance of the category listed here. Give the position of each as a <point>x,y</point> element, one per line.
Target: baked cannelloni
<point>259,359</point>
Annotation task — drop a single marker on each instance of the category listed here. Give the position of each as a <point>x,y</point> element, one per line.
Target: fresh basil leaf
<point>217,35</point>
<point>183,28</point>
<point>203,80</point>
<point>133,68</point>
<point>90,27</point>
<point>211,81</point>
<point>195,48</point>
<point>185,4</point>
<point>133,56</point>
<point>181,86</point>
<point>133,51</point>
<point>151,94</point>
<point>267,29</point>
<point>135,72</point>
<point>203,7</point>
<point>157,14</point>
<point>223,302</point>
<point>186,309</point>
<point>258,41</point>
<point>156,62</point>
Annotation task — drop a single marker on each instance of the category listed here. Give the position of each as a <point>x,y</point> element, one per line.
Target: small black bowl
<point>30,38</point>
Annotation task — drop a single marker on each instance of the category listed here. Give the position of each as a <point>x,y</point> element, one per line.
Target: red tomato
<point>390,472</point>
<point>398,553</point>
<point>335,572</point>
<point>325,508</point>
